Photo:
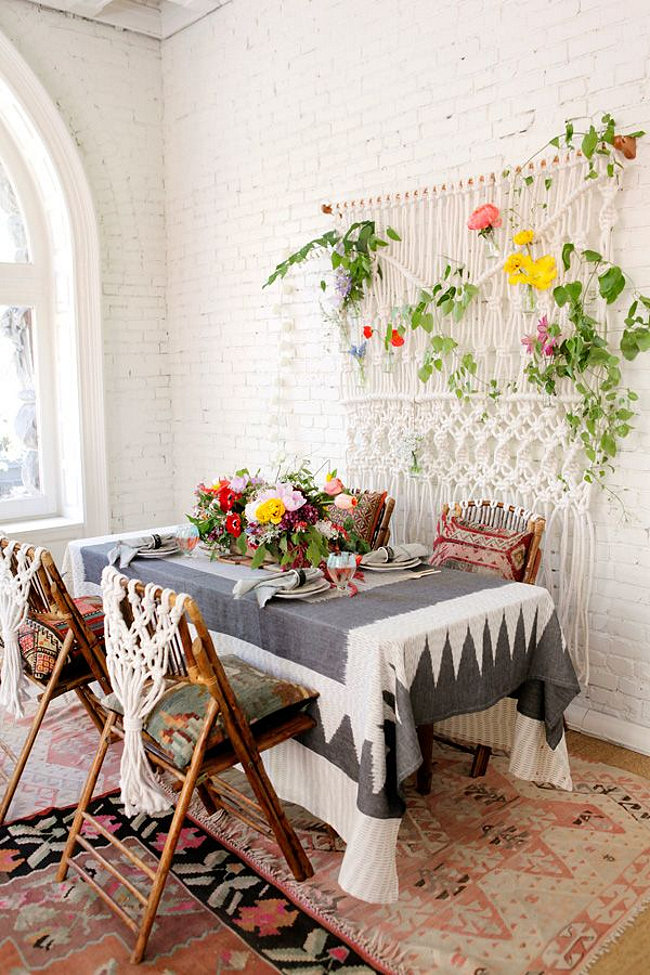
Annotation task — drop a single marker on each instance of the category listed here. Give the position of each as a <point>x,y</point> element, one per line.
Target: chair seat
<point>41,636</point>
<point>176,720</point>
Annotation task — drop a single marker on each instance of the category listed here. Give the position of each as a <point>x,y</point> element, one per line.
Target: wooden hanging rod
<point>329,208</point>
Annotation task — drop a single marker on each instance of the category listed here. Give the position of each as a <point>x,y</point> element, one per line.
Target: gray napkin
<point>394,554</point>
<point>277,581</point>
<point>150,547</point>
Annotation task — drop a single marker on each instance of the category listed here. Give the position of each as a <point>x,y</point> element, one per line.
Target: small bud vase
<point>529,300</point>
<point>492,252</point>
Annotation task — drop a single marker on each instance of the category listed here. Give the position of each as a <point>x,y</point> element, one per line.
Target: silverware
<point>424,572</point>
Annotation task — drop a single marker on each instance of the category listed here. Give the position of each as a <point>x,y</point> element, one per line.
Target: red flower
<point>396,339</point>
<point>233,525</point>
<point>227,498</point>
<point>368,331</point>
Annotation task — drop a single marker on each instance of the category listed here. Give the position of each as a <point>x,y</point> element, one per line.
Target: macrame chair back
<point>20,587</point>
<point>148,645</point>
<point>496,514</point>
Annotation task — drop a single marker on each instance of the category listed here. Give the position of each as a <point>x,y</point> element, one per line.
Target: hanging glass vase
<point>490,246</point>
<point>529,300</point>
<point>389,360</point>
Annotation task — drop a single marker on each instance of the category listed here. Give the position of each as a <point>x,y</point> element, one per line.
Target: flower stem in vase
<point>491,247</point>
<point>529,300</point>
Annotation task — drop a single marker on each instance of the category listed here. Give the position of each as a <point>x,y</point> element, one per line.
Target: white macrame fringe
<point>137,658</point>
<point>519,449</point>
<point>15,586</point>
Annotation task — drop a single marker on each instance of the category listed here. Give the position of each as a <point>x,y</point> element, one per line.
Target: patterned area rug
<point>498,877</point>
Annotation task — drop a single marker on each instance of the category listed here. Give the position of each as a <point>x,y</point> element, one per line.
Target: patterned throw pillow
<point>41,636</point>
<point>365,516</point>
<point>176,721</point>
<point>472,547</point>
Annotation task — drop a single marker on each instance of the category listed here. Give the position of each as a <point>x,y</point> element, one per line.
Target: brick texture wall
<point>107,85</point>
<point>270,108</point>
<point>273,106</point>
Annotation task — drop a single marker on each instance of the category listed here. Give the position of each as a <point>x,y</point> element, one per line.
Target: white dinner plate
<point>309,589</point>
<point>392,566</point>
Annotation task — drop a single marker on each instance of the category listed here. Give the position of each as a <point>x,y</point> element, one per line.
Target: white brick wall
<point>273,106</point>
<point>107,85</point>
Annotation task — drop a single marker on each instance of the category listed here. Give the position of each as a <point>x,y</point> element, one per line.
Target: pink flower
<point>333,486</point>
<point>528,341</point>
<point>484,216</point>
<point>346,502</point>
<point>542,328</point>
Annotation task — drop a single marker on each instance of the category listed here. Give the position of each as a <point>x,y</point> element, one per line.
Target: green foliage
<point>583,356</point>
<point>353,254</point>
<point>597,141</point>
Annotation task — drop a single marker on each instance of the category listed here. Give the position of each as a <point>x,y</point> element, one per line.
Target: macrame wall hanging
<point>428,447</point>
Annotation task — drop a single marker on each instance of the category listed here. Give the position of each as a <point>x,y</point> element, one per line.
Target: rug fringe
<point>390,955</point>
<point>616,934</point>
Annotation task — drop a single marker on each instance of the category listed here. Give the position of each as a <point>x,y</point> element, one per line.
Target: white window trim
<point>86,257</point>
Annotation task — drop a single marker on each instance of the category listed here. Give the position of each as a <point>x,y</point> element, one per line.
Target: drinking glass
<point>341,567</point>
<point>187,537</point>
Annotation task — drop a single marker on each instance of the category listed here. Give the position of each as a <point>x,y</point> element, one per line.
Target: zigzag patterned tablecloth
<point>403,652</point>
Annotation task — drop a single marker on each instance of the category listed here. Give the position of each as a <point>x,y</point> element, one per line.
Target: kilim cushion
<point>176,720</point>
<point>481,548</point>
<point>42,634</point>
<point>365,516</point>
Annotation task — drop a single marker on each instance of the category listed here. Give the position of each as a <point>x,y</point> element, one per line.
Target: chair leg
<point>35,726</point>
<point>480,762</point>
<point>88,700</point>
<point>425,771</point>
<point>165,862</point>
<point>283,831</point>
<point>86,796</point>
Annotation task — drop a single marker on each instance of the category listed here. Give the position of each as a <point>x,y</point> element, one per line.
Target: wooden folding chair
<point>382,532</point>
<point>226,737</point>
<point>80,658</point>
<point>497,515</point>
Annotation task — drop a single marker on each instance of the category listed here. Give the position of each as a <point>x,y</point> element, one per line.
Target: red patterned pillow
<point>472,547</point>
<point>365,516</point>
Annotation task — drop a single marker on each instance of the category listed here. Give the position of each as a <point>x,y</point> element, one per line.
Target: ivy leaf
<point>589,142</point>
<point>259,557</point>
<point>528,180</point>
<point>567,251</point>
<point>560,296</point>
<point>611,283</point>
<point>608,444</point>
<point>424,373</point>
<point>548,182</point>
<point>636,135</point>
<point>426,322</point>
<point>392,234</point>
<point>592,256</point>
<point>552,142</point>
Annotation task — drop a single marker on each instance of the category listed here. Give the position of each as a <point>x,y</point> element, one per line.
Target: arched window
<point>52,454</point>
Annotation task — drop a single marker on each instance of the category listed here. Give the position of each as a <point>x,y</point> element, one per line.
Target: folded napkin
<point>276,582</point>
<point>149,547</point>
<point>395,554</point>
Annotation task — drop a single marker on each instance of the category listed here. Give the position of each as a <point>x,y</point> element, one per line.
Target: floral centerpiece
<point>285,521</point>
<point>288,520</point>
<point>219,510</point>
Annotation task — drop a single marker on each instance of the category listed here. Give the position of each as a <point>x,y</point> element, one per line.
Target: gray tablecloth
<point>402,653</point>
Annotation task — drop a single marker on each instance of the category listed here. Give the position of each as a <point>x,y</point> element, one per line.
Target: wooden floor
<point>630,955</point>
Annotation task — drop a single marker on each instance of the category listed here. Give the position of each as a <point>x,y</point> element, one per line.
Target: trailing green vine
<point>573,346</point>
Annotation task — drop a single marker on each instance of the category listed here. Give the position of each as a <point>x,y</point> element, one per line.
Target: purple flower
<point>358,351</point>
<point>342,284</point>
<point>308,514</point>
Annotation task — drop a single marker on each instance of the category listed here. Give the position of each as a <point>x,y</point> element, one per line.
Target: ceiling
<point>157,18</point>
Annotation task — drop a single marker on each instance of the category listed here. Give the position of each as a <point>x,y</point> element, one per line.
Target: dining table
<point>482,658</point>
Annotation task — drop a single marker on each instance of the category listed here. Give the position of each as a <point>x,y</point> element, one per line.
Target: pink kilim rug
<point>497,876</point>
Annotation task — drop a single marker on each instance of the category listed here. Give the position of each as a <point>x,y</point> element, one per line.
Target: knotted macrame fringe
<point>428,447</point>
<point>17,571</point>
<point>137,658</point>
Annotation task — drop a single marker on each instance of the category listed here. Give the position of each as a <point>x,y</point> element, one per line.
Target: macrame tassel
<point>13,683</point>
<point>136,659</point>
<point>139,789</point>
